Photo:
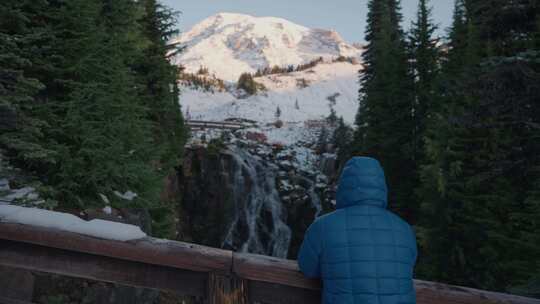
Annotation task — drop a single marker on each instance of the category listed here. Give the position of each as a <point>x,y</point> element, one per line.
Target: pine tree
<point>278,113</point>
<point>247,83</point>
<point>342,139</point>
<point>425,66</point>
<point>23,136</point>
<point>160,79</point>
<point>481,158</point>
<point>104,126</point>
<point>385,122</point>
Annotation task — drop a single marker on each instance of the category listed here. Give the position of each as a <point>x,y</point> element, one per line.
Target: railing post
<point>226,289</point>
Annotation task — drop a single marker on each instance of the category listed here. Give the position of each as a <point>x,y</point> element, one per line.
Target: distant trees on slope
<point>249,85</point>
<point>301,67</point>
<point>202,81</point>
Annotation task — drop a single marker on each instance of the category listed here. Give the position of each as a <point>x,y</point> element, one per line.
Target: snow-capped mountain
<point>230,44</point>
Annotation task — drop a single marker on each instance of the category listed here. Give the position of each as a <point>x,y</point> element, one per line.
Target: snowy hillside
<point>230,44</point>
<point>325,82</point>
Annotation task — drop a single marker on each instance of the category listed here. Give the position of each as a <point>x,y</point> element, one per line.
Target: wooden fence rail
<point>219,276</point>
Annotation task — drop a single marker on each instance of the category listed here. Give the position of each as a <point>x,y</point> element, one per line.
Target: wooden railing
<point>219,276</point>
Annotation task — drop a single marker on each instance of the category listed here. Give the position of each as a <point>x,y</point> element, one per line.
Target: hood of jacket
<point>362,182</point>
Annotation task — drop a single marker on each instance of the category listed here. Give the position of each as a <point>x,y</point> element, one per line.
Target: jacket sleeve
<point>310,252</point>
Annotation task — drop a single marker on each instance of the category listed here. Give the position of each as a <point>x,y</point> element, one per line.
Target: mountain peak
<point>229,44</point>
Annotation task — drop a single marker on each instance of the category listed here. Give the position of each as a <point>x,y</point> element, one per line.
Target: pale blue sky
<point>348,17</point>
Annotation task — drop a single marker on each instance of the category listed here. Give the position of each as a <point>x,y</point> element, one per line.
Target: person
<point>363,253</point>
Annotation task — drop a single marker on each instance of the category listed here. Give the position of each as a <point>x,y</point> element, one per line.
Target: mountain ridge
<point>229,44</point>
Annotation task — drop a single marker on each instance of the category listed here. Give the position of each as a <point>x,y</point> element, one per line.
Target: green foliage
<point>18,88</point>
<point>161,93</point>
<point>94,96</point>
<point>384,121</point>
<point>425,58</point>
<point>203,82</point>
<point>246,83</point>
<point>342,140</point>
<point>466,141</point>
<point>290,68</point>
<point>278,113</point>
<point>215,146</point>
<point>479,183</point>
<point>202,71</point>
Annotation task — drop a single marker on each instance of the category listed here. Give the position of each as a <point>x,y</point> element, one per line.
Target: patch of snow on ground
<point>4,184</point>
<point>289,134</point>
<point>26,192</point>
<point>68,222</point>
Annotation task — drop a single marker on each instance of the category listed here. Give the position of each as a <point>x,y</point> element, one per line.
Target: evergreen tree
<point>246,83</point>
<point>94,94</point>
<point>385,122</point>
<point>425,66</point>
<point>160,78</point>
<point>332,118</point>
<point>20,33</point>
<point>105,133</point>
<point>278,113</point>
<point>482,156</point>
<point>342,139</point>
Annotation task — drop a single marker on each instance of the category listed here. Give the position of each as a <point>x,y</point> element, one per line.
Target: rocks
<point>257,137</point>
<point>286,165</point>
<point>26,196</point>
<point>232,198</point>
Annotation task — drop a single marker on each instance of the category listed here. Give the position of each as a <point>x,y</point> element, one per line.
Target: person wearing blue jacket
<point>363,253</point>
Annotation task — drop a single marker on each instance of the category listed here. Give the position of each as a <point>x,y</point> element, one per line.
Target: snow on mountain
<point>230,44</point>
<point>326,81</point>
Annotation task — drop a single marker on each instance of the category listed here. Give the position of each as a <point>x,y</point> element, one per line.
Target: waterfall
<point>315,200</point>
<point>258,208</point>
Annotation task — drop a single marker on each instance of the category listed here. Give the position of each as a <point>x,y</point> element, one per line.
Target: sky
<point>347,17</point>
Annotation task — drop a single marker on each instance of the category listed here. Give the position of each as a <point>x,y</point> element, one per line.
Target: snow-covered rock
<point>107,210</point>
<point>128,195</point>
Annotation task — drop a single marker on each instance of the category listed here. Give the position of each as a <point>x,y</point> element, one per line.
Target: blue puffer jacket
<point>364,253</point>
